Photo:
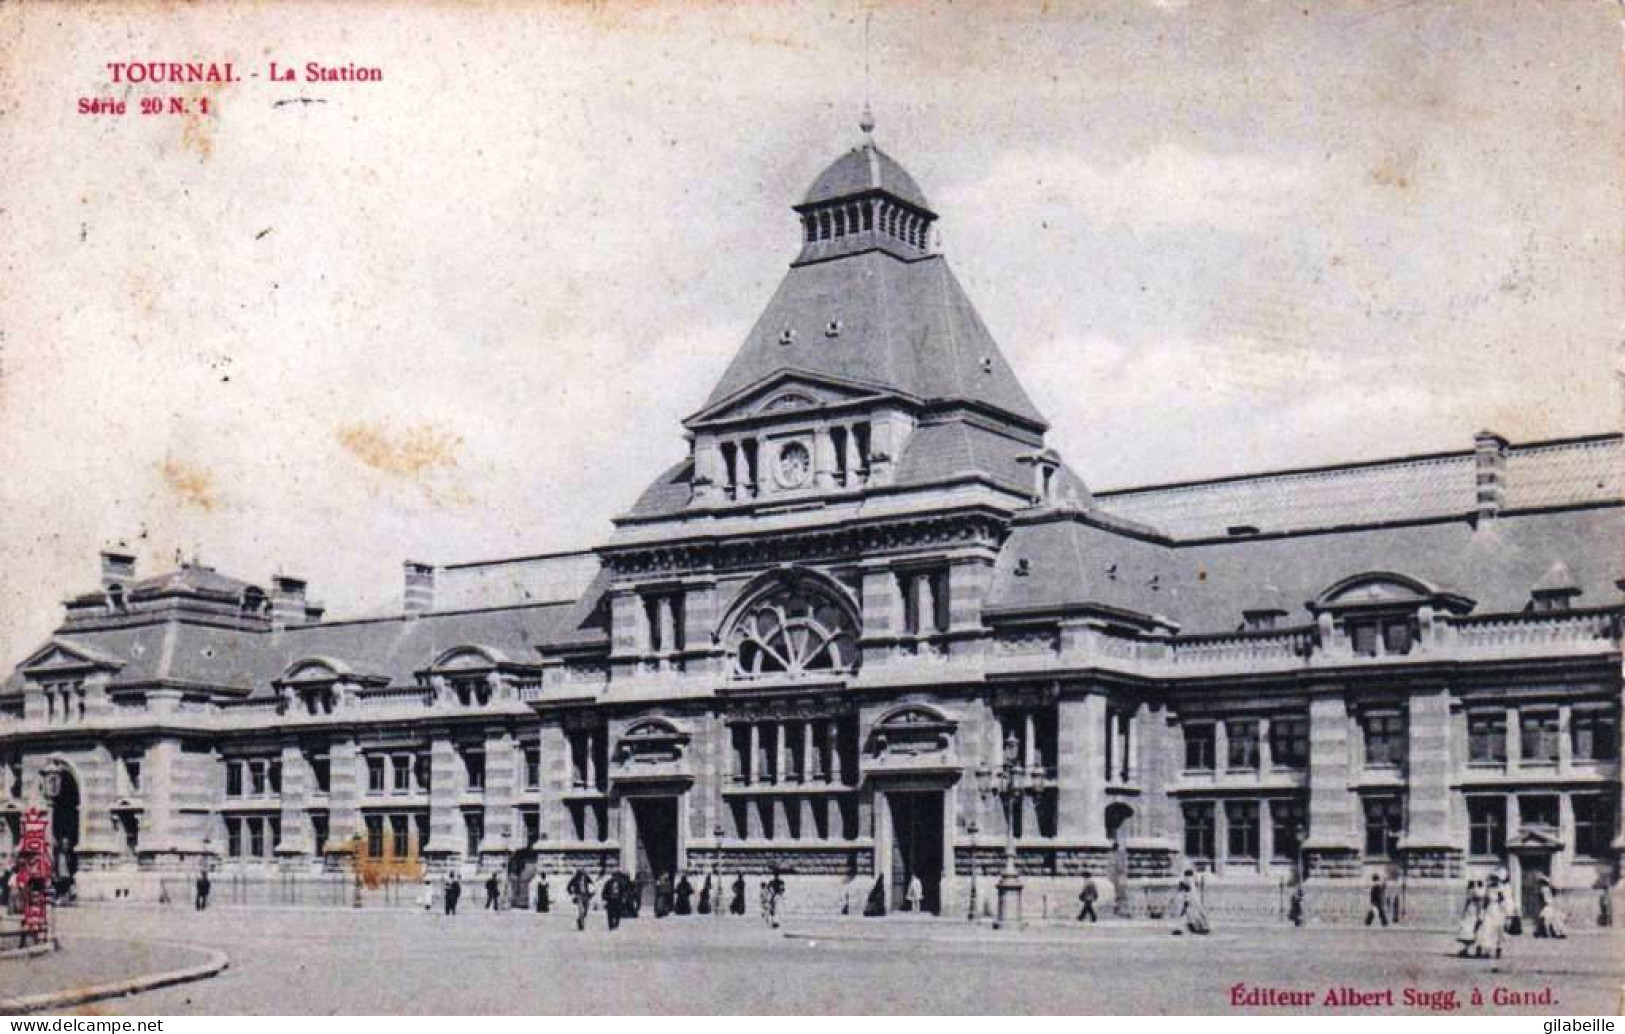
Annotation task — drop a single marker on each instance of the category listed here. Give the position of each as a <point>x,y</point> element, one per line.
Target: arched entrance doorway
<point>62,794</point>
<point>521,874</point>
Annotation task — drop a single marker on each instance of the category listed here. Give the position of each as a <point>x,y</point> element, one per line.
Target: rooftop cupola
<point>864,201</point>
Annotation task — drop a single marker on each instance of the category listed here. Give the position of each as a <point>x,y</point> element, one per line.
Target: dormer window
<point>1555,590</point>
<point>1261,620</point>
<point>115,599</point>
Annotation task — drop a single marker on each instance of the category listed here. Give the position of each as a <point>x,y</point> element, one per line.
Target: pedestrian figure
<point>1472,913</point>
<point>493,887</point>
<point>1187,910</point>
<point>685,896</point>
<point>426,895</point>
<point>544,895</point>
<point>772,891</point>
<point>1294,907</point>
<point>736,903</point>
<point>1605,909</point>
<point>1089,895</point>
<point>580,890</point>
<point>454,890</point>
<point>5,888</point>
<point>1492,925</point>
<point>1378,909</point>
<point>1551,922</point>
<point>663,895</point>
<point>616,889</point>
<point>201,902</point>
<point>705,897</point>
<point>632,895</point>
<point>915,895</point>
<point>875,903</point>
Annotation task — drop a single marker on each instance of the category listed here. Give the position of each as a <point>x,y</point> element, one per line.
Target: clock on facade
<point>795,464</point>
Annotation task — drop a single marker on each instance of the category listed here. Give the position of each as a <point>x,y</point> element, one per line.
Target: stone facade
<point>871,592</point>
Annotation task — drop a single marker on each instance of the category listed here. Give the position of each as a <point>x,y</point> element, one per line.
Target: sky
<point>459,313</point>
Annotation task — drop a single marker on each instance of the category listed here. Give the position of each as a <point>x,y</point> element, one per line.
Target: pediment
<point>786,392</point>
<point>61,656</point>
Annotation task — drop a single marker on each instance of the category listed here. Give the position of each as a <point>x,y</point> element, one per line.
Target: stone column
<point>1081,800</point>
<point>1429,849</point>
<point>823,459</point>
<point>502,762</point>
<point>1330,848</point>
<point>556,782</point>
<point>1565,746</point>
<point>446,833</point>
<point>751,755</point>
<point>159,775</point>
<point>807,765</point>
<point>295,787</point>
<point>833,772</point>
<point>882,609</point>
<point>346,783</point>
<point>854,460</point>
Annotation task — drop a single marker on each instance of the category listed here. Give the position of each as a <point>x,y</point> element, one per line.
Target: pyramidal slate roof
<point>904,326</point>
<point>863,169</point>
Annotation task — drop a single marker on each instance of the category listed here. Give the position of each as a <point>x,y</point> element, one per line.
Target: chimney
<point>287,601</point>
<point>1489,469</point>
<point>419,598</point>
<point>118,568</point>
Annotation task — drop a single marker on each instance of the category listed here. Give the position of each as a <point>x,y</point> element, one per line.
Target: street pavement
<point>315,961</point>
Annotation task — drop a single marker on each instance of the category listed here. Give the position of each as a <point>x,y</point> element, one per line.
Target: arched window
<point>794,630</point>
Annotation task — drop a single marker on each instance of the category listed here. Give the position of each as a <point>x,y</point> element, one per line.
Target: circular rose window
<point>795,464</point>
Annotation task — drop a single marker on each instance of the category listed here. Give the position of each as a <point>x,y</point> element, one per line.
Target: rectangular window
<point>234,837</point>
<point>375,836</point>
<point>234,779</point>
<point>1487,738</point>
<point>1365,636</point>
<point>1537,737</point>
<point>1384,740</point>
<point>1396,637</point>
<point>1538,810</point>
<point>1199,830</point>
<point>132,773</point>
<point>400,835</point>
<point>1241,748</point>
<point>318,834</point>
<point>533,827</point>
<point>1593,824</point>
<point>1384,822</point>
<point>1289,742</point>
<point>401,771</point>
<point>1241,823</point>
<point>1593,734</point>
<point>1199,747</point>
<point>473,832</point>
<point>1487,826</point>
<point>925,601</point>
<point>1289,824</point>
<point>581,755</point>
<point>421,822</point>
<point>533,768</point>
<point>257,777</point>
<point>256,837</point>
<point>474,767</point>
<point>321,771</point>
<point>375,773</point>
<point>273,774</point>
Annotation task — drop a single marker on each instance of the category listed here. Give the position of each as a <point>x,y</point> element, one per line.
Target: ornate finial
<point>867,121</point>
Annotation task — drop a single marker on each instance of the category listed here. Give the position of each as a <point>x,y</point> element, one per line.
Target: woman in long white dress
<point>1492,926</point>
<point>1551,921</point>
<point>1471,914</point>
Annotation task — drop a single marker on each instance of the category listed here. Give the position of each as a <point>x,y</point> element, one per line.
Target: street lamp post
<point>1010,784</point>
